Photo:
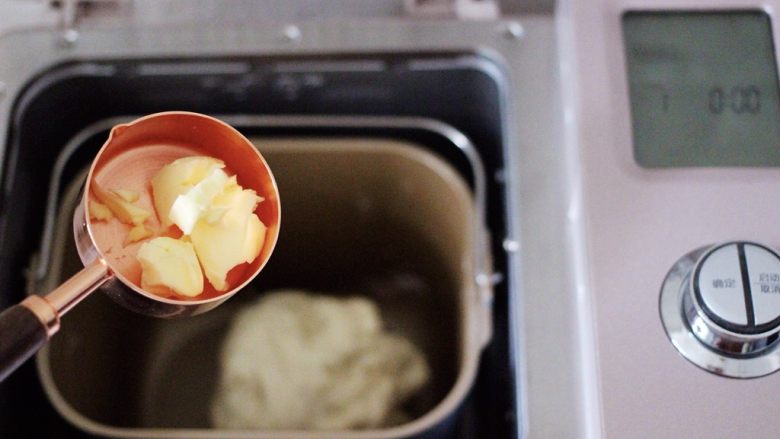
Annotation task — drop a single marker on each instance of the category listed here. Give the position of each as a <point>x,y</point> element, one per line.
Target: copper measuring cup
<point>133,153</point>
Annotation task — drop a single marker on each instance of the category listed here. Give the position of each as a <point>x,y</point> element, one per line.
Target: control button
<point>720,307</point>
<point>763,266</point>
<point>719,286</point>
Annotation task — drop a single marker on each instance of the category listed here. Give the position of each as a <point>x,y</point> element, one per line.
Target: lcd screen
<point>703,88</point>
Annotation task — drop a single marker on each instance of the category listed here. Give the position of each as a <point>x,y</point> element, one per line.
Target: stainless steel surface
<point>556,398</point>
<point>719,339</point>
<point>514,30</point>
<point>16,12</point>
<point>461,9</point>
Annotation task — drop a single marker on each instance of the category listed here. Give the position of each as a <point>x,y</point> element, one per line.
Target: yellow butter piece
<point>213,211</point>
<point>171,263</point>
<point>188,207</point>
<point>125,211</point>
<point>138,233</point>
<point>127,195</point>
<point>99,212</point>
<point>178,177</point>
<point>222,245</point>
<point>253,238</point>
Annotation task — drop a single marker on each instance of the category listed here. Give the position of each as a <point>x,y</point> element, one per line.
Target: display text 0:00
<point>739,99</point>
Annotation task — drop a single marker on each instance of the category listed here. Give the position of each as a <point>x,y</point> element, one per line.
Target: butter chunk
<point>138,233</point>
<point>125,211</point>
<point>127,195</point>
<point>99,212</point>
<point>222,245</point>
<point>177,178</point>
<point>191,205</point>
<point>213,211</point>
<point>170,263</point>
<point>253,238</point>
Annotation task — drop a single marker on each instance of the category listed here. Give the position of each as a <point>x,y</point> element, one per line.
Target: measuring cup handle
<point>22,333</point>
<point>25,328</point>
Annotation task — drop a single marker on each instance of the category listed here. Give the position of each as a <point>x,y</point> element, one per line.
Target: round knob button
<point>737,286</point>
<point>720,306</point>
<point>733,301</point>
<point>719,290</point>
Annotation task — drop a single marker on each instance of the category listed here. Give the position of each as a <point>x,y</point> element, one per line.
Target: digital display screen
<point>703,88</point>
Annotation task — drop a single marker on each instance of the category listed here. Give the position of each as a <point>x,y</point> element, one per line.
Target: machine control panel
<point>676,116</point>
<point>721,308</point>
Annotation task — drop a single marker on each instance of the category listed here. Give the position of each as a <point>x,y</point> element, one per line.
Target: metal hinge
<point>71,11</point>
<point>461,9</point>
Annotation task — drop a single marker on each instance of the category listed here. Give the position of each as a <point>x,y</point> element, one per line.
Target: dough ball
<point>295,360</point>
